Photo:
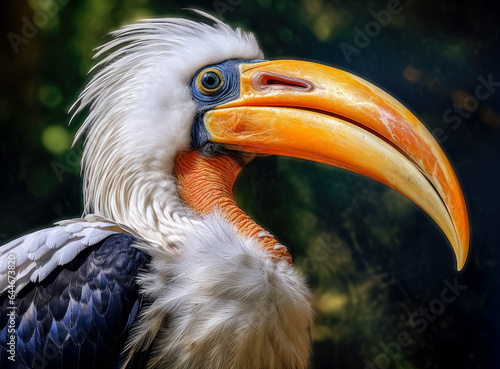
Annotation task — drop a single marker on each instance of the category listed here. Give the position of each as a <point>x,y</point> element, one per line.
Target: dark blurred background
<point>377,264</point>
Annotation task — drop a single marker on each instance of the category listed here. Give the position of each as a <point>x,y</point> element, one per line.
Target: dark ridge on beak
<point>265,80</point>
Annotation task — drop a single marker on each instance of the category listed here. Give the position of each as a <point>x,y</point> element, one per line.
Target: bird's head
<point>177,108</point>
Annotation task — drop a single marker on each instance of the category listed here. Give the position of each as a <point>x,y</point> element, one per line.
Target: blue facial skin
<point>229,91</point>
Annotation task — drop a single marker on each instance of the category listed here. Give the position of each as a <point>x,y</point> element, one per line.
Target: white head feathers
<point>141,112</point>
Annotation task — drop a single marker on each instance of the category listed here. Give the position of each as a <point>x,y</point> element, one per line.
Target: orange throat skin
<point>206,185</point>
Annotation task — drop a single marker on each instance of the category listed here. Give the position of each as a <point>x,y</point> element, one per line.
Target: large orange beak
<point>319,113</point>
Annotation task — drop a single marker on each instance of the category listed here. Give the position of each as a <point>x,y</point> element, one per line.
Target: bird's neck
<point>206,185</point>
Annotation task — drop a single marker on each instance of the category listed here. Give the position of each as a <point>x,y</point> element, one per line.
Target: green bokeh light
<point>56,139</point>
<point>50,96</point>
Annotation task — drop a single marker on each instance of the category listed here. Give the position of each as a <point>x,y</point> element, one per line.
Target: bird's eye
<point>209,81</point>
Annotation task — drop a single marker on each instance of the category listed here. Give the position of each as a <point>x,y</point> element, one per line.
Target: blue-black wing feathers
<point>79,316</point>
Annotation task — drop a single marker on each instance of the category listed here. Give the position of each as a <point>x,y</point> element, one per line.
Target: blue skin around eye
<point>229,91</point>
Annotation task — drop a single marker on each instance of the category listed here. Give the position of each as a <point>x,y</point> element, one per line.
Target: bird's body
<point>165,271</point>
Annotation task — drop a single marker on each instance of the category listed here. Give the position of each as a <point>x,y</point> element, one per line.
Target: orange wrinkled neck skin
<point>206,185</point>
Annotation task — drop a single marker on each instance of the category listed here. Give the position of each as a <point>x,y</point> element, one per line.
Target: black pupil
<point>210,80</point>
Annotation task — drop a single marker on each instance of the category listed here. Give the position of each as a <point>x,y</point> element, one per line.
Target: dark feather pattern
<point>79,316</point>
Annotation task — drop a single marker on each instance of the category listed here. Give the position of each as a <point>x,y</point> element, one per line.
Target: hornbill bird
<point>165,270</point>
